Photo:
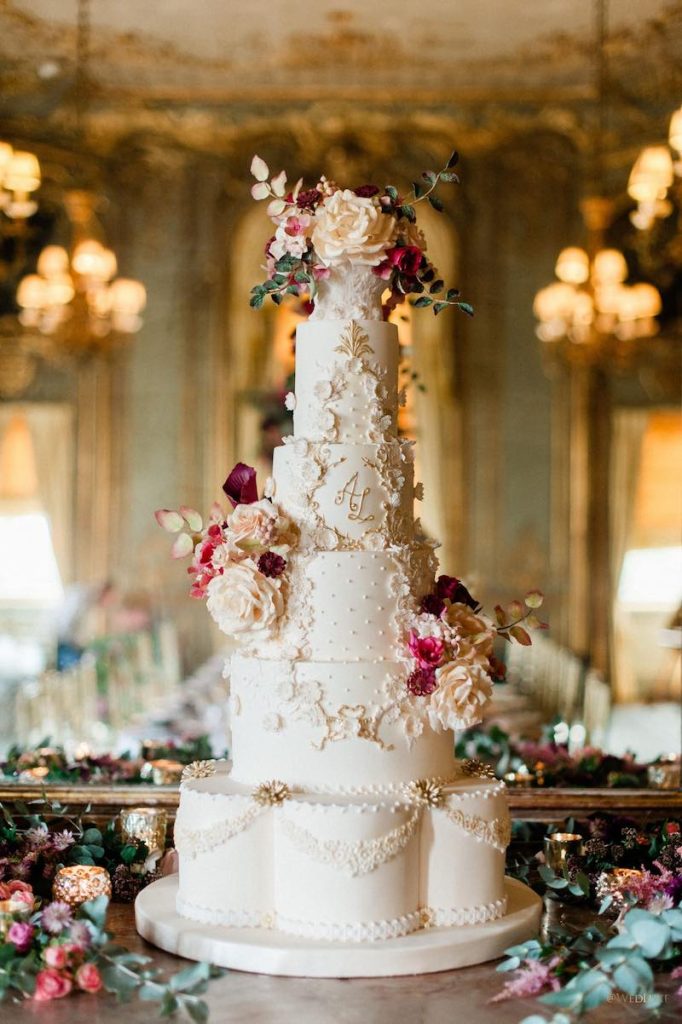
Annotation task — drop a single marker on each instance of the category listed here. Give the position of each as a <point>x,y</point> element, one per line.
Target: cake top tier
<point>352,253</point>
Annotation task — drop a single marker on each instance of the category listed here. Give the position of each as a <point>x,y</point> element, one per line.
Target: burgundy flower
<point>407,258</point>
<point>498,669</point>
<point>308,199</point>
<point>427,650</point>
<point>432,605</point>
<point>271,564</point>
<point>452,589</point>
<point>366,191</point>
<point>422,682</point>
<point>240,486</point>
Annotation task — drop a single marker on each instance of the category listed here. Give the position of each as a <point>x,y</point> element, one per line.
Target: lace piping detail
<point>355,931</point>
<point>190,842</point>
<point>353,858</point>
<point>495,833</point>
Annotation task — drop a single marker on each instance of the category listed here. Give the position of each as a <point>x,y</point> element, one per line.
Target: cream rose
<point>460,696</point>
<point>242,600</point>
<point>350,228</point>
<point>475,634</point>
<point>258,525</point>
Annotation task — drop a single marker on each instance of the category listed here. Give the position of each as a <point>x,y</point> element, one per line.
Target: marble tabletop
<point>454,997</point>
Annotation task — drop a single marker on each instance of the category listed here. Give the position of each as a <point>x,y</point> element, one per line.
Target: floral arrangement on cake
<point>327,227</point>
<point>239,559</point>
<point>450,644</point>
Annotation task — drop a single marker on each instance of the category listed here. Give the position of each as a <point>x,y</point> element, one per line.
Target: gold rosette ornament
<point>198,770</point>
<point>424,793</point>
<point>272,793</point>
<point>476,769</point>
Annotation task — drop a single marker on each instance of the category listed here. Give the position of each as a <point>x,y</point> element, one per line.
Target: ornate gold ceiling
<point>218,76</point>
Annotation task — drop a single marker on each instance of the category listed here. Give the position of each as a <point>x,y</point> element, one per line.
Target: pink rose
<point>428,650</point>
<point>88,978</point>
<point>50,984</point>
<point>22,900</point>
<point>55,956</point>
<point>21,935</point>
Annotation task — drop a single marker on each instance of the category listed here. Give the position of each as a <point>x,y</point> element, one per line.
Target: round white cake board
<point>271,952</point>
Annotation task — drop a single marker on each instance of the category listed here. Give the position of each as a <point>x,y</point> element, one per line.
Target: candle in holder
<point>162,772</point>
<point>559,847</point>
<point>520,778</point>
<point>78,883</point>
<point>145,825</point>
<point>665,773</point>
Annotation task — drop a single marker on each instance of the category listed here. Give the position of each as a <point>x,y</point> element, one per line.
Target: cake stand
<point>261,951</point>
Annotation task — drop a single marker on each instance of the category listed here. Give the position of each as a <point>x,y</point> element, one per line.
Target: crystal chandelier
<point>75,294</point>
<point>75,297</point>
<point>19,178</point>
<point>653,175</point>
<point>591,308</point>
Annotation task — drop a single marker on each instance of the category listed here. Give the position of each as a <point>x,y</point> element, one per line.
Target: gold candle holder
<point>162,772</point>
<point>559,847</point>
<point>79,883</point>
<point>146,825</point>
<point>665,774</point>
<point>521,778</point>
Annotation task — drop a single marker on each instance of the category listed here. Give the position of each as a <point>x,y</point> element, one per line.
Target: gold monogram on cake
<point>356,499</point>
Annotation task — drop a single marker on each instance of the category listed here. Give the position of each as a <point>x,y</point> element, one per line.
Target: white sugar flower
<point>458,700</point>
<point>352,229</point>
<point>242,600</point>
<point>323,390</point>
<point>290,401</point>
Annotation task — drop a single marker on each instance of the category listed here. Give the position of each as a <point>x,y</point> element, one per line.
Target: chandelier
<point>75,296</point>
<point>652,176</point>
<point>19,178</point>
<point>591,309</point>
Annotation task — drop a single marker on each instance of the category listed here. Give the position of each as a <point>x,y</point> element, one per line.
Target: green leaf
<point>454,159</point>
<point>436,287</point>
<point>436,203</point>
<point>466,308</point>
<point>96,851</point>
<point>90,836</point>
<point>256,301</point>
<point>509,965</point>
<point>128,853</point>
<point>423,300</point>
<point>152,992</point>
<point>430,177</point>
<point>392,192</point>
<point>418,190</point>
<point>189,977</point>
<point>451,294</point>
<point>80,855</point>
<point>95,911</point>
<point>121,983</point>
<point>449,176</point>
<point>440,306</point>
<point>196,1009</point>
<point>407,211</point>
<point>651,935</point>
<point>627,980</point>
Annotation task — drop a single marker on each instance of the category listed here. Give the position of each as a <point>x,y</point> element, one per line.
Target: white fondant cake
<point>372,830</point>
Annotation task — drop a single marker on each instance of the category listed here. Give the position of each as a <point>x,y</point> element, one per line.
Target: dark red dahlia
<point>422,682</point>
<point>308,199</point>
<point>366,191</point>
<point>407,258</point>
<point>451,589</point>
<point>432,605</point>
<point>271,564</point>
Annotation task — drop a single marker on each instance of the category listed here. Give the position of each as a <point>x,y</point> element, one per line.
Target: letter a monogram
<point>356,500</point>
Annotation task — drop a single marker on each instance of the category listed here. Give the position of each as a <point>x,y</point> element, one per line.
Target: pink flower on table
<point>428,650</point>
<point>22,900</point>
<point>50,984</point>
<point>88,978</point>
<point>531,979</point>
<point>55,956</point>
<point>21,935</point>
<point>56,917</point>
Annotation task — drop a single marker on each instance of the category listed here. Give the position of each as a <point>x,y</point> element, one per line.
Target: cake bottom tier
<point>341,868</point>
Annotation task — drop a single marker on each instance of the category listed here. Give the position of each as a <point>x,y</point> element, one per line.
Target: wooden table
<point>455,997</point>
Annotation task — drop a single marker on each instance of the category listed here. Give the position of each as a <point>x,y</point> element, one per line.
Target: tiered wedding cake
<point>343,817</point>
